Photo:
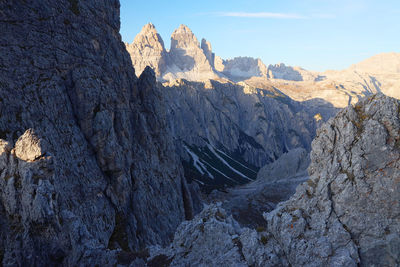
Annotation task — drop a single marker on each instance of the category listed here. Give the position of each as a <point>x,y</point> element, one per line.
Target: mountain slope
<point>225,132</point>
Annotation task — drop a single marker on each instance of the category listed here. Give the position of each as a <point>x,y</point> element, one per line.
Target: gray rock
<point>88,167</point>
<point>148,49</point>
<point>346,214</point>
<point>214,238</point>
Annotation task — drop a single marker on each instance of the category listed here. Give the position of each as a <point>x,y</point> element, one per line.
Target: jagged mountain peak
<point>148,49</point>
<point>149,36</point>
<point>183,37</point>
<point>183,28</point>
<point>149,27</point>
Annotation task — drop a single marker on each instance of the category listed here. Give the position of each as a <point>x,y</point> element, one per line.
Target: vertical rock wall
<point>87,164</point>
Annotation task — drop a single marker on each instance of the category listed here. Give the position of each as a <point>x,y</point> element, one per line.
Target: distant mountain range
<point>231,117</point>
<point>192,60</point>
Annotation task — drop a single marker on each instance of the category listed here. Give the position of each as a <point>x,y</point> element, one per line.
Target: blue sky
<point>314,34</point>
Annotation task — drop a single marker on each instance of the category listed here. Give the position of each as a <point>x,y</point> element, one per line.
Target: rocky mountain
<point>88,172</point>
<point>380,73</point>
<point>148,50</point>
<point>185,59</point>
<point>190,60</point>
<point>224,131</point>
<point>346,214</point>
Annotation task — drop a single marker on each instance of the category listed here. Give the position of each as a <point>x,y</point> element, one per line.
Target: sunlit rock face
<point>148,49</point>
<point>87,165</point>
<point>189,60</point>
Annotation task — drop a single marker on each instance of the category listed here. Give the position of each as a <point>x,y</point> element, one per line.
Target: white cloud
<point>261,15</point>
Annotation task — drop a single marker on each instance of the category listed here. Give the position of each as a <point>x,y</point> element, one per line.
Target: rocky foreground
<point>87,166</point>
<point>346,214</point>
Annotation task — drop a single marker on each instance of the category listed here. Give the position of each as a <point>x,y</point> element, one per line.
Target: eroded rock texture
<point>87,166</point>
<point>346,214</point>
<point>148,50</point>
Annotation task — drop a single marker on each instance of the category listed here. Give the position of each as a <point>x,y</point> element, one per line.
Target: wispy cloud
<point>261,15</point>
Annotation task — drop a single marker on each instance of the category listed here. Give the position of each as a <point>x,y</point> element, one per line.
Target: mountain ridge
<point>197,62</point>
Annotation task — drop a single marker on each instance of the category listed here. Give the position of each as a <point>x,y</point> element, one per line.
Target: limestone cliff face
<point>186,51</point>
<point>346,214</point>
<point>148,49</point>
<point>87,166</point>
<point>187,59</point>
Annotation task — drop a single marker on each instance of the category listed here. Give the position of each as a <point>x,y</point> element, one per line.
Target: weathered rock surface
<point>148,49</point>
<point>87,165</point>
<point>187,59</point>
<point>346,214</point>
<point>214,238</point>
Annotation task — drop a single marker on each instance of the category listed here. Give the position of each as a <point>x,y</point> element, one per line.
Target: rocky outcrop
<point>215,61</point>
<point>148,49</point>
<point>188,59</point>
<point>346,214</point>
<point>87,166</point>
<point>214,238</point>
